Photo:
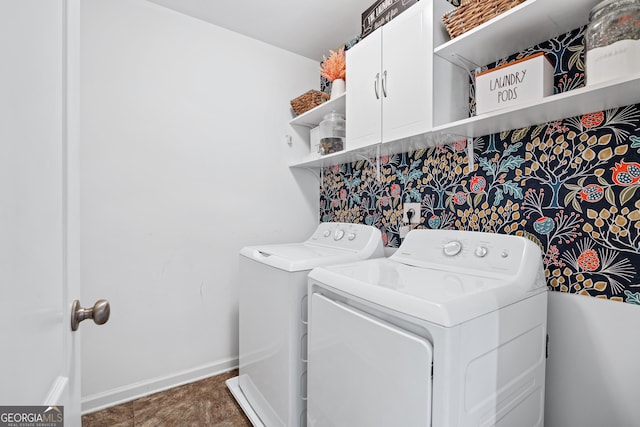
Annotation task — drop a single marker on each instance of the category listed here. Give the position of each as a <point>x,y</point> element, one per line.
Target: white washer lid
<point>330,243</point>
<point>299,256</point>
<point>438,296</point>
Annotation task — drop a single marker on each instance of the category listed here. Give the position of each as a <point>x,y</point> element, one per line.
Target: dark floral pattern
<point>571,186</point>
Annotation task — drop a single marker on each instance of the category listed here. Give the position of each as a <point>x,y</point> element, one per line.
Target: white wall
<point>183,162</point>
<point>592,369</point>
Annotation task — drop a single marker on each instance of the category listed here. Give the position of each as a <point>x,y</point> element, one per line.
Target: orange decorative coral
<point>335,66</point>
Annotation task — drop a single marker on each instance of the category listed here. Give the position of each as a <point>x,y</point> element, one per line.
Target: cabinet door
<point>364,92</point>
<point>407,46</point>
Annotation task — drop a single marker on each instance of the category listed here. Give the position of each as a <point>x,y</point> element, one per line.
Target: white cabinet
<point>390,78</point>
<point>445,87</point>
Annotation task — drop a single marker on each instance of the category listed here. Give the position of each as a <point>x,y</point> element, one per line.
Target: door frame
<point>71,203</point>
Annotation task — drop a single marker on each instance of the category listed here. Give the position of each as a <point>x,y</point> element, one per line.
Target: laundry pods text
<point>526,79</point>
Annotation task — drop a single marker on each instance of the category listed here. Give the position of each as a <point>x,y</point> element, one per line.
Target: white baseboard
<point>99,401</point>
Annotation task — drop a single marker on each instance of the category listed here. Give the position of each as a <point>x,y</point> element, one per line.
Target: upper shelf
<point>346,156</point>
<point>611,94</point>
<point>602,96</point>
<point>313,117</point>
<point>528,24</point>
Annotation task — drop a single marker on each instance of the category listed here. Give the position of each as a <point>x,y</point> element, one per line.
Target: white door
<point>38,221</point>
<point>364,92</point>
<point>407,46</point>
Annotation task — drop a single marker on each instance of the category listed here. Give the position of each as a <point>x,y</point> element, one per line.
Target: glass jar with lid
<point>612,40</point>
<point>332,133</point>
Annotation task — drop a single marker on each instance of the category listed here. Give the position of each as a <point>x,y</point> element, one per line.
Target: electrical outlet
<point>415,218</point>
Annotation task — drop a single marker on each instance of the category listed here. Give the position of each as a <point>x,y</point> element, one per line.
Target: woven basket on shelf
<point>307,101</point>
<point>472,13</point>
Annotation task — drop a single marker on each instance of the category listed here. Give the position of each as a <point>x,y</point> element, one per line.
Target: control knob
<point>338,235</point>
<point>351,236</point>
<point>452,248</point>
<point>481,251</point>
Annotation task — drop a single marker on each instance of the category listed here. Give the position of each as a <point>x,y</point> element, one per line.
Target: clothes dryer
<point>271,386</point>
<point>450,331</point>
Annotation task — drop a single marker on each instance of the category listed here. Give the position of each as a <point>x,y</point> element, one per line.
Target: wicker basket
<point>307,101</point>
<point>472,13</point>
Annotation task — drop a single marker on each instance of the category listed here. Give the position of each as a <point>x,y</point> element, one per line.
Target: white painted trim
<point>56,392</point>
<point>130,392</point>
<point>71,212</point>
<point>233,384</point>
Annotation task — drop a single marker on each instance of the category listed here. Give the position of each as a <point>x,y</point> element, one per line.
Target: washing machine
<point>271,385</point>
<point>449,331</point>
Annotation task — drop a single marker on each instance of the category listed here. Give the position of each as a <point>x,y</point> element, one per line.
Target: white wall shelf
<point>313,117</point>
<point>606,95</point>
<point>528,24</point>
<point>612,94</point>
<point>345,156</point>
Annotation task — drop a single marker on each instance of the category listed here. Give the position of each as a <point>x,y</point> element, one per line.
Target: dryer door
<point>365,372</point>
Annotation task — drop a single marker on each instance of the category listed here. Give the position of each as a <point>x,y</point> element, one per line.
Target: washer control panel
<point>346,235</point>
<point>466,250</point>
<point>454,247</point>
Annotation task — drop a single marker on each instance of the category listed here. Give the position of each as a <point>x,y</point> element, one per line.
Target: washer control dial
<point>351,236</point>
<point>452,248</point>
<point>339,234</point>
<point>481,251</point>
<point>327,233</point>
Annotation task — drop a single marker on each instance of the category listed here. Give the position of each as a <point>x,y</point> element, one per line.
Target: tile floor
<point>204,403</point>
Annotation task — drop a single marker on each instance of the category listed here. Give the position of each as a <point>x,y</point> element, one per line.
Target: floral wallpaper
<point>571,186</point>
